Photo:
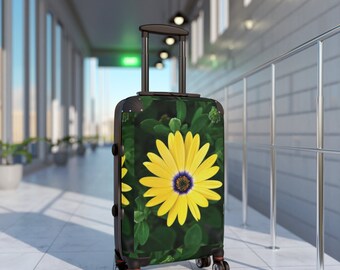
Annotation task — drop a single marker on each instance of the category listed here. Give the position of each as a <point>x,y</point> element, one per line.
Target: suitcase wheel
<point>221,265</point>
<point>203,262</point>
<point>121,265</point>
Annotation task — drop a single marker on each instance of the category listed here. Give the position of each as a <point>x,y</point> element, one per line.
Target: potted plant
<point>11,173</point>
<point>81,149</point>
<point>94,143</point>
<point>60,150</point>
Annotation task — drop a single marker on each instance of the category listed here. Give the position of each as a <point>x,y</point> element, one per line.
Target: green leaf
<point>142,233</point>
<point>147,102</point>
<point>140,203</point>
<point>193,236</point>
<point>181,110</point>
<point>175,124</point>
<point>168,259</point>
<point>149,124</point>
<point>184,128</point>
<point>197,114</point>
<point>161,129</point>
<point>192,241</point>
<point>201,122</point>
<point>139,216</point>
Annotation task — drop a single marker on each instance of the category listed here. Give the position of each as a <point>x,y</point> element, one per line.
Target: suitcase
<point>168,173</point>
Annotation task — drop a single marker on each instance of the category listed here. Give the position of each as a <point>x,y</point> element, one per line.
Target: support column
<point>244,158</point>
<point>41,75</point>
<point>7,72</point>
<point>54,104</point>
<point>81,97</point>
<point>26,97</point>
<point>320,245</point>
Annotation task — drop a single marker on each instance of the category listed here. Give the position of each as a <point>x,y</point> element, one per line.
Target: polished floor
<point>60,219</point>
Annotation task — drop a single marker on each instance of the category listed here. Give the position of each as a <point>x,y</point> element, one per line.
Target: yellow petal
<point>198,158</point>
<point>188,140</point>
<point>168,204</point>
<point>172,215</point>
<point>206,174</point>
<point>158,170</point>
<point>124,200</point>
<point>198,198</point>
<point>156,200</point>
<point>166,155</point>
<point>183,209</point>
<point>123,160</point>
<point>125,187</point>
<point>179,151</point>
<point>206,164</point>
<point>158,161</point>
<point>195,211</point>
<point>192,151</point>
<point>151,181</point>
<point>209,184</point>
<point>171,144</point>
<point>124,171</point>
<point>209,194</point>
<point>157,191</point>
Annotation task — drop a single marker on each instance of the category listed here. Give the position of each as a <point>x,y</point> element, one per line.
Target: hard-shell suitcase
<point>168,173</point>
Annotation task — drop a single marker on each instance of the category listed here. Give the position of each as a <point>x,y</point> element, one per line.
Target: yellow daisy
<point>125,187</point>
<point>181,177</point>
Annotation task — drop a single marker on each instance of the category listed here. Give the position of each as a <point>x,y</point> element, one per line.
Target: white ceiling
<point>111,26</point>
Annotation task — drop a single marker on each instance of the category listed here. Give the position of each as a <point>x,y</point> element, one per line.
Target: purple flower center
<point>182,183</point>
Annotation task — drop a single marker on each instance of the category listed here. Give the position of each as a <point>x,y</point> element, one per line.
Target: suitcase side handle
<point>163,29</point>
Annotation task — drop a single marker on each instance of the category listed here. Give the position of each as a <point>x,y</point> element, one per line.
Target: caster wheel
<point>222,265</point>
<point>203,262</point>
<point>121,265</point>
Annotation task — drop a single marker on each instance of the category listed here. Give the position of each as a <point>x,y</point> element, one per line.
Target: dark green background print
<point>174,159</point>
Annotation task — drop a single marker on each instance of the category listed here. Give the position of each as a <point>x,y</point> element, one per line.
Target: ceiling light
<point>249,24</point>
<point>164,55</point>
<point>178,19</point>
<point>159,65</point>
<point>170,40</point>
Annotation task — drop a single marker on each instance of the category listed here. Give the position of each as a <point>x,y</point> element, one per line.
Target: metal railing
<point>273,146</point>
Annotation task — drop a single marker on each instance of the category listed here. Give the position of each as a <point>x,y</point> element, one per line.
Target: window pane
<point>58,62</point>
<point>17,71</point>
<point>49,76</point>
<point>32,78</point>
<point>223,16</point>
<point>57,112</point>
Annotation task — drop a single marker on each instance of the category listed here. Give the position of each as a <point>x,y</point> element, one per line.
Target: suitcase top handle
<point>163,29</point>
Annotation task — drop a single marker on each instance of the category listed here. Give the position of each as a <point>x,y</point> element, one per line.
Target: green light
<point>129,61</point>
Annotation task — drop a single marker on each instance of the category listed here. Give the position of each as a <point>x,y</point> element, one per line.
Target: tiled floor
<point>60,219</point>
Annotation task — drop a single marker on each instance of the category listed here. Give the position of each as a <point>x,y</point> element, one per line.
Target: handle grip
<point>163,29</point>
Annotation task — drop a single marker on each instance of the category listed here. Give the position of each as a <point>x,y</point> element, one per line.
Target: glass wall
<point>57,110</point>
<point>17,71</point>
<point>32,68</point>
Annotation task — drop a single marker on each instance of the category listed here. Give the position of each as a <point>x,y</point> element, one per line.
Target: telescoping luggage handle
<point>163,29</point>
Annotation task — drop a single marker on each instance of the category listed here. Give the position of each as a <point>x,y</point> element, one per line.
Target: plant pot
<point>60,158</point>
<point>94,146</point>
<point>81,150</point>
<point>10,176</point>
